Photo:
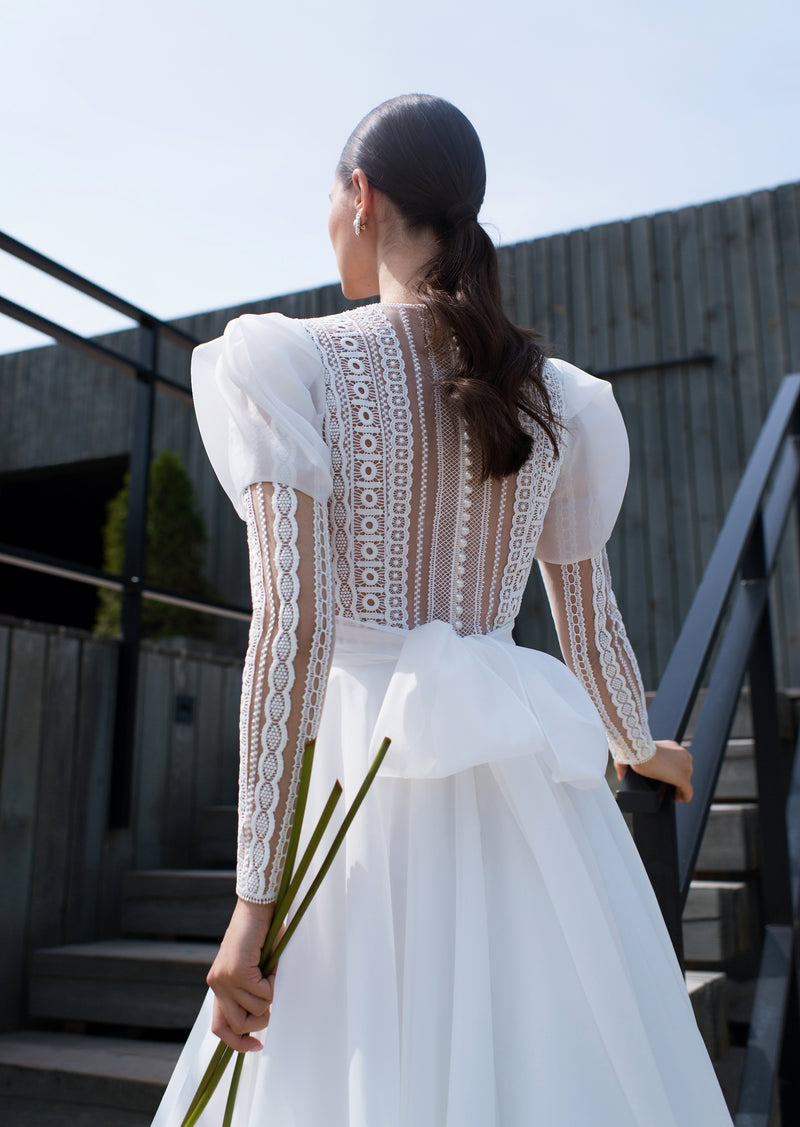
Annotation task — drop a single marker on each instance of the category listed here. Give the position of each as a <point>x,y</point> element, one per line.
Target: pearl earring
<point>358,226</point>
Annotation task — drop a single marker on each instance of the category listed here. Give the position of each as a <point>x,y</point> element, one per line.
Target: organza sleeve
<point>591,482</point>
<point>259,397</point>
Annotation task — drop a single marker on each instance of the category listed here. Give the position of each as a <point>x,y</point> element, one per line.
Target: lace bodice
<point>415,535</point>
<point>359,486</point>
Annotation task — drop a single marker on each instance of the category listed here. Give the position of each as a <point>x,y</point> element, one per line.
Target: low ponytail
<point>425,156</point>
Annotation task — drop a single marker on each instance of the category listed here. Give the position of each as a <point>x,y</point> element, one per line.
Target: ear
<point>364,192</point>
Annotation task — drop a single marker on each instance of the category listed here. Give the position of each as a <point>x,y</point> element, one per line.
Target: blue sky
<point>181,153</point>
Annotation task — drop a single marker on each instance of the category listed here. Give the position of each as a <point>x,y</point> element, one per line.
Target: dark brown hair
<point>425,155</point>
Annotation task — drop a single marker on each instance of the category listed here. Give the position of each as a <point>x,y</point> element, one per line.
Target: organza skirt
<point>487,950</point>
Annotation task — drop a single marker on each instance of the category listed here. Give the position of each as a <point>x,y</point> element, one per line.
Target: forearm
<point>595,646</point>
<point>284,677</point>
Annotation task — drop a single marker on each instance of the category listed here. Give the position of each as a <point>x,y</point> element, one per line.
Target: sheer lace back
<point>416,536</point>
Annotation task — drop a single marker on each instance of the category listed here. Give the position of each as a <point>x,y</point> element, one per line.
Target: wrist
<point>255,910</point>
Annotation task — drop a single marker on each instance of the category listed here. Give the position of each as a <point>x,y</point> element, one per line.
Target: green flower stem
<point>299,813</point>
<point>329,857</point>
<point>207,1076</point>
<point>201,1099</point>
<point>282,906</point>
<point>237,1072</point>
<point>289,887</point>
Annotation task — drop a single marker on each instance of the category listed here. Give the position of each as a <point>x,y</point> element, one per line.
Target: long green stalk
<point>299,814</point>
<point>282,905</point>
<point>331,854</point>
<point>234,1088</point>
<point>200,1105</point>
<point>213,1064</point>
<point>291,880</point>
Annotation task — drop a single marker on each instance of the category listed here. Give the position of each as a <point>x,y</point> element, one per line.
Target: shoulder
<point>578,390</point>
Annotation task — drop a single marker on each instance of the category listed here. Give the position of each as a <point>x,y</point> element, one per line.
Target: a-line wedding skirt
<point>487,950</point>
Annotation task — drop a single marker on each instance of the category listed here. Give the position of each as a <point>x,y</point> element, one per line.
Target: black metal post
<point>135,545</point>
<point>652,809</point>
<point>657,843</point>
<point>775,869</point>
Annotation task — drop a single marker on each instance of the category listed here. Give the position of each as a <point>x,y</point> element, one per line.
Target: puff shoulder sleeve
<point>594,470</point>
<point>259,398</point>
<point>572,556</point>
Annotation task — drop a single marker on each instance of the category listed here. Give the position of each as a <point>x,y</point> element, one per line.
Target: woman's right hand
<point>671,764</point>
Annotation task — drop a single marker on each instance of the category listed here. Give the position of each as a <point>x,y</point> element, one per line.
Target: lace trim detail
<point>617,664</point>
<point>535,483</point>
<point>264,734</point>
<point>371,441</point>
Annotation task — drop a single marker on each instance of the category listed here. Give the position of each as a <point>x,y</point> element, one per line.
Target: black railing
<point>735,592</point>
<point>130,583</point>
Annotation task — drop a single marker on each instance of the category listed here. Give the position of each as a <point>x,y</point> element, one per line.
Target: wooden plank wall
<point>61,872</point>
<point>722,279</point>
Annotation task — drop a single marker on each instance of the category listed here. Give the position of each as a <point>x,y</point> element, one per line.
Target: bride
<point>486,950</point>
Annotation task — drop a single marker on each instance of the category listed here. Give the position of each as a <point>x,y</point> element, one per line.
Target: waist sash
<point>456,702</point>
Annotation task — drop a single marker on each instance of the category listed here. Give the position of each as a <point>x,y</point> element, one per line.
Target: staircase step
<point>176,902</point>
<point>737,777</point>
<point>720,921</point>
<point>708,996</point>
<point>133,982</point>
<point>730,841</point>
<point>49,1079</point>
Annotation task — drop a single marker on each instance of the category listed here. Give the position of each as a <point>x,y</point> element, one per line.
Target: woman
<point>487,949</point>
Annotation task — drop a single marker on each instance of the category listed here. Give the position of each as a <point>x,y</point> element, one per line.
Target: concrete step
<point>720,921</point>
<point>730,841</point>
<point>128,982</point>
<point>52,1079</point>
<point>188,903</point>
<point>708,996</point>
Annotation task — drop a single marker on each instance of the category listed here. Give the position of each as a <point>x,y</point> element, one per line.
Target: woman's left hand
<point>671,764</point>
<point>242,996</point>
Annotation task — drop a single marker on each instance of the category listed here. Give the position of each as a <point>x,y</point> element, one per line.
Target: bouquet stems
<point>291,881</point>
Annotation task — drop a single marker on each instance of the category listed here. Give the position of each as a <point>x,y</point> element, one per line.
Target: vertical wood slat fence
<point>61,876</point>
<point>704,304</point>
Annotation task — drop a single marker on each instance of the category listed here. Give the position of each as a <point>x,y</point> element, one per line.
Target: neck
<point>401,266</point>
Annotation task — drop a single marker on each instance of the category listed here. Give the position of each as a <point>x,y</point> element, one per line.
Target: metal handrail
<point>147,378</point>
<point>95,577</point>
<point>736,585</point>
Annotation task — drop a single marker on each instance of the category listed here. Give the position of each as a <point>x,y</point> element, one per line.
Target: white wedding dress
<point>487,950</point>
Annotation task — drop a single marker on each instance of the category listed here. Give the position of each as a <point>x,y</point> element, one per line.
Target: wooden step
<point>730,841</point>
<point>132,982</point>
<point>720,921</point>
<point>179,902</point>
<point>737,777</point>
<point>52,1079</point>
<point>708,996</point>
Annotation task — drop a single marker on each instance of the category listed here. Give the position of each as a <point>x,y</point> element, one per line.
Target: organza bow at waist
<point>455,702</point>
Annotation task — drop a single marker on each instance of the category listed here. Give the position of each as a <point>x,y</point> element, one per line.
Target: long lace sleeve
<point>596,648</point>
<point>285,673</point>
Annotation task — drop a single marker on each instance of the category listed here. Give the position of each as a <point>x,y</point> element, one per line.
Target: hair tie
<point>459,214</point>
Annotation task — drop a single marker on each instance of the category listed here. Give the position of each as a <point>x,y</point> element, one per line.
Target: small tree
<point>174,558</point>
